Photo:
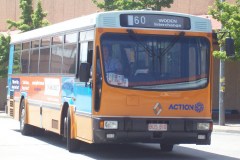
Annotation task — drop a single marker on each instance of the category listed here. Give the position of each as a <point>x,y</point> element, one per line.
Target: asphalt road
<point>14,146</point>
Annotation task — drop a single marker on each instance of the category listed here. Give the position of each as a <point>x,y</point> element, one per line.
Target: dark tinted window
<point>26,45</point>
<point>44,60</point>
<point>35,44</point>
<point>69,58</point>
<point>25,61</point>
<point>71,38</point>
<point>17,47</point>
<point>34,55</point>
<point>57,40</point>
<point>17,62</point>
<point>45,42</point>
<point>56,59</point>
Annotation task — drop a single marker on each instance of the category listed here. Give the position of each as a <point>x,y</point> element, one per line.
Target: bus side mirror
<point>230,49</point>
<point>84,72</point>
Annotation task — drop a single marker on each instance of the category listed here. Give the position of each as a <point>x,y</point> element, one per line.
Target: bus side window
<point>34,57</point>
<point>86,48</point>
<point>90,53</point>
<point>25,61</point>
<point>17,58</point>
<point>44,60</point>
<point>70,53</point>
<point>56,54</point>
<point>86,52</point>
<point>83,51</point>
<point>44,55</point>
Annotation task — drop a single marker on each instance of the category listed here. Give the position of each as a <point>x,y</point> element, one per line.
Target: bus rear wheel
<point>25,129</point>
<point>166,147</point>
<point>72,144</point>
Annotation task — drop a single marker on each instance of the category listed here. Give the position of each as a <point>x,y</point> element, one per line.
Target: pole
<point>221,94</point>
<point>221,89</point>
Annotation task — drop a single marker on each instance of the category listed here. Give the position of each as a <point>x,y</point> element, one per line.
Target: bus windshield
<point>155,62</point>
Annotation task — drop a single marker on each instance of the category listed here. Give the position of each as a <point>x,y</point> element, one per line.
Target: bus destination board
<point>155,21</point>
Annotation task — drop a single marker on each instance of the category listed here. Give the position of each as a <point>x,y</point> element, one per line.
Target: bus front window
<point>156,62</point>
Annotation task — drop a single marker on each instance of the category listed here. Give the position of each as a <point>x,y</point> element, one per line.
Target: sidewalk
<point>231,125</point>
<point>3,114</point>
<point>229,128</point>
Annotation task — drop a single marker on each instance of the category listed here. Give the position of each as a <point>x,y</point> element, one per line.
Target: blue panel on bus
<point>83,95</point>
<point>11,55</point>
<point>67,86</point>
<point>77,94</point>
<point>10,68</point>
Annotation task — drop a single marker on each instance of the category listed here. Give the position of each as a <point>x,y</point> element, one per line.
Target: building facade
<point>60,10</point>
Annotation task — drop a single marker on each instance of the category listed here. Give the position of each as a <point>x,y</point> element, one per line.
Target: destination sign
<point>155,21</point>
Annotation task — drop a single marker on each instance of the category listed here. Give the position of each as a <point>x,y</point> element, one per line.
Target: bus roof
<point>109,19</point>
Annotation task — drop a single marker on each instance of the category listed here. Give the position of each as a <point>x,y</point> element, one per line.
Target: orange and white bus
<point>59,79</point>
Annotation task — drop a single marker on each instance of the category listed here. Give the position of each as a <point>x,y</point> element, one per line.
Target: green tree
<point>29,18</point>
<point>229,16</point>
<point>109,5</point>
<point>4,52</point>
<point>38,16</point>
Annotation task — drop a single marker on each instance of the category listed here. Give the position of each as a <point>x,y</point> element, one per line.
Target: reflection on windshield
<point>155,61</point>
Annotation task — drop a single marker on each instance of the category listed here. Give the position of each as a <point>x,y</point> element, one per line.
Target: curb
<point>4,115</point>
<point>226,131</point>
<point>230,128</point>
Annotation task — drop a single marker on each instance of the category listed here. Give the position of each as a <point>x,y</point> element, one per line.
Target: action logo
<point>198,107</point>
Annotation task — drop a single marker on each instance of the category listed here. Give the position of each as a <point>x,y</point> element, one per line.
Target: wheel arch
<point>19,112</point>
<point>63,115</point>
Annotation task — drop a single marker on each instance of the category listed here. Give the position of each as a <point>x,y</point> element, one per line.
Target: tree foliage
<point>29,18</point>
<point>109,5</point>
<point>4,52</point>
<point>38,16</point>
<point>229,16</point>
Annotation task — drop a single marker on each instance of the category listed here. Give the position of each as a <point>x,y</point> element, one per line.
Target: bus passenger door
<point>83,95</point>
<point>83,90</point>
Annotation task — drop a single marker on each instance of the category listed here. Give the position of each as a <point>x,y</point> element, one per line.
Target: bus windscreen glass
<point>156,62</point>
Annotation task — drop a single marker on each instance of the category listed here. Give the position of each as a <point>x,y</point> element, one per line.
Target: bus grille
<point>11,94</point>
<point>201,26</point>
<point>11,108</point>
<point>157,121</point>
<point>11,112</point>
<point>109,21</point>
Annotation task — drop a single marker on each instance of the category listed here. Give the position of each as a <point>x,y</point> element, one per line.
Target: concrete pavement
<point>231,125</point>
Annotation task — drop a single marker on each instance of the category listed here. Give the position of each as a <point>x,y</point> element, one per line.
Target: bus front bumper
<point>129,130</point>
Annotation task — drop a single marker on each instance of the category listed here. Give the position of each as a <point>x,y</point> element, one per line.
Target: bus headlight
<point>109,124</point>
<point>203,126</point>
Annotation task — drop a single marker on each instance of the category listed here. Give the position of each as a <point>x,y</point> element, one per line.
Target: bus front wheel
<point>72,144</point>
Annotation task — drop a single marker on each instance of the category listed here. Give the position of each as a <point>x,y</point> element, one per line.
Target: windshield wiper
<point>172,43</point>
<point>133,36</point>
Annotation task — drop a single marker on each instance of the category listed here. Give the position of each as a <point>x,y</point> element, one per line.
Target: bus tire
<point>25,129</point>
<point>72,144</point>
<point>166,147</point>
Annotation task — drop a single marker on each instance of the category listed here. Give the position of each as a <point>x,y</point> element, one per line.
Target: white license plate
<point>157,127</point>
